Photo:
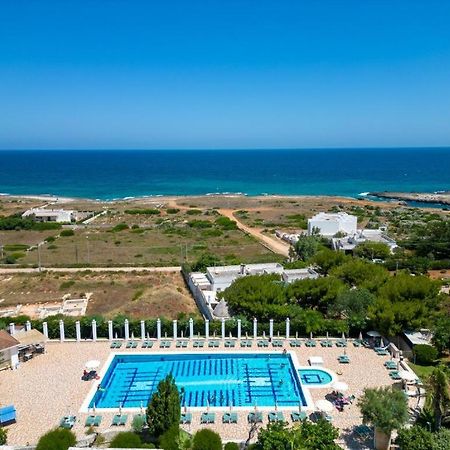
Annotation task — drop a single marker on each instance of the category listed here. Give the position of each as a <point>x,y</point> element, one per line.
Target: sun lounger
<point>198,344</point>
<point>277,343</point>
<point>297,416</point>
<point>295,343</point>
<point>132,344</point>
<point>230,417</point>
<point>246,343</point>
<point>67,422</point>
<point>263,343</point>
<point>93,421</point>
<point>119,420</point>
<point>147,344</point>
<point>395,375</point>
<point>208,418</point>
<point>116,344</point>
<point>186,418</point>
<point>310,343</point>
<point>7,415</point>
<point>229,344</point>
<point>363,431</point>
<point>341,343</point>
<point>276,416</point>
<point>357,343</point>
<point>165,344</point>
<point>344,359</point>
<point>255,417</point>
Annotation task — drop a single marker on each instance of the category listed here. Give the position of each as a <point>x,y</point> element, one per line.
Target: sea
<point>118,174</point>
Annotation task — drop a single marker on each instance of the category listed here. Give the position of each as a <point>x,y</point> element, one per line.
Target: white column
<point>12,329</point>
<point>175,331</point>
<point>191,328</point>
<point>255,328</point>
<point>239,332</point>
<point>158,329</point>
<point>143,330</point>
<point>271,328</point>
<point>94,330</point>
<point>207,329</point>
<point>78,330</point>
<point>27,325</point>
<point>127,330</point>
<point>110,330</point>
<point>45,329</point>
<point>61,331</point>
<point>288,327</point>
<point>223,328</point>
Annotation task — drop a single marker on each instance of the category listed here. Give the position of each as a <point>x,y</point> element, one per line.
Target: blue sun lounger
<point>7,415</point>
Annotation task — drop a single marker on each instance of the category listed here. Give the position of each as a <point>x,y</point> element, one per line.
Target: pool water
<point>315,377</point>
<point>243,380</point>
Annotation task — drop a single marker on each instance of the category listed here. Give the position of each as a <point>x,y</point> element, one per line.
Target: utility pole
<point>88,254</point>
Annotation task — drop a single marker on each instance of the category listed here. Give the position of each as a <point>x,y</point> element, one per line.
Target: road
<point>92,269</point>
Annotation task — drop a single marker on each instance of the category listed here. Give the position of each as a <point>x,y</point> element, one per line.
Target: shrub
<point>169,440</point>
<point>15,247</point>
<point>206,440</point>
<point>3,436</point>
<point>18,255</point>
<point>225,223</point>
<point>146,212</point>
<point>199,224</point>
<point>58,439</point>
<point>193,212</point>
<point>231,446</point>
<point>119,227</point>
<point>425,354</point>
<point>66,285</point>
<point>126,439</point>
<point>138,423</point>
<point>10,260</point>
<point>172,210</point>
<point>66,233</point>
<point>50,239</point>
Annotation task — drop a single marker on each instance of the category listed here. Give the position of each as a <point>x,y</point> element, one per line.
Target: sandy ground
<point>50,386</point>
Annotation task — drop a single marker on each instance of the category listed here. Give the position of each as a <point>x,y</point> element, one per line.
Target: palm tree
<point>439,394</point>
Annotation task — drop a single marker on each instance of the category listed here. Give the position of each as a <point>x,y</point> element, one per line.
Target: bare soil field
<point>137,295</point>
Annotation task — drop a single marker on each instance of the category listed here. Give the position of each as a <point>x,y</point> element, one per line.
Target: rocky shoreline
<point>424,197</point>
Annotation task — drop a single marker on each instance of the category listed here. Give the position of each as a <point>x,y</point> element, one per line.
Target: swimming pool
<point>315,377</point>
<point>217,380</point>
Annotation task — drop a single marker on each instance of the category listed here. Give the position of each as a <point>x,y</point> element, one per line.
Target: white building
<point>50,215</point>
<point>9,350</point>
<point>204,287</point>
<point>349,243</point>
<point>328,224</point>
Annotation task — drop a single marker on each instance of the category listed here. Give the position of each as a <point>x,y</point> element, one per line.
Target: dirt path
<point>92,269</point>
<point>273,244</point>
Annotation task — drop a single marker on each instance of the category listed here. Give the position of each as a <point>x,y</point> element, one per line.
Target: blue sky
<point>224,74</point>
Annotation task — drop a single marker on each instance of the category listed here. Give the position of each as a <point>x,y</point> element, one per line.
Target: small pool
<point>205,379</point>
<point>315,377</point>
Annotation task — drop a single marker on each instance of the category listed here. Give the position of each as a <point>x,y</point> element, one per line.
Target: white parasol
<point>407,375</point>
<point>324,406</point>
<point>340,386</point>
<point>92,364</point>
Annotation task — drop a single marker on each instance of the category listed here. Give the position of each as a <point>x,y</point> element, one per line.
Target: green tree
<point>307,246</point>
<point>126,439</point>
<point>353,305</point>
<point>231,446</point>
<point>205,260</point>
<point>372,250</point>
<point>164,409</point>
<point>170,439</point>
<point>304,436</point>
<point>441,334</point>
<point>362,274</point>
<point>206,440</point>
<point>439,396</point>
<point>326,259</point>
<point>424,354</point>
<point>415,438</point>
<point>386,409</point>
<point>57,439</point>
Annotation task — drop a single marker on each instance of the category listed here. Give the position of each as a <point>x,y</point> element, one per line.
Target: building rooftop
<point>7,341</point>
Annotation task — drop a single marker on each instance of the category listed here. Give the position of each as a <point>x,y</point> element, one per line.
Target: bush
<point>126,439</point>
<point>169,439</point>
<point>199,224</point>
<point>225,223</point>
<point>206,440</point>
<point>3,436</point>
<point>146,212</point>
<point>193,212</point>
<point>138,423</point>
<point>66,233</point>
<point>119,227</point>
<point>172,210</point>
<point>58,439</point>
<point>231,446</point>
<point>424,354</point>
<point>66,285</point>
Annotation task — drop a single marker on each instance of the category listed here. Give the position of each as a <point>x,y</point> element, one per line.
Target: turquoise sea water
<point>112,174</point>
<point>217,380</point>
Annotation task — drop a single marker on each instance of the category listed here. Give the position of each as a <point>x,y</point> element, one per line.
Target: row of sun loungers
<point>245,343</point>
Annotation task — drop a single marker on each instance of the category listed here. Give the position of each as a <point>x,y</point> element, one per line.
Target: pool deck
<point>49,387</point>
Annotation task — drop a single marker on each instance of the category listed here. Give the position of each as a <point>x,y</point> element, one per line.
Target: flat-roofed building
<point>349,243</point>
<point>292,275</point>
<point>50,215</point>
<point>329,224</point>
<point>9,350</point>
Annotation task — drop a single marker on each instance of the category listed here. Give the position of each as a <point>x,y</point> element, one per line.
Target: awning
<point>29,338</point>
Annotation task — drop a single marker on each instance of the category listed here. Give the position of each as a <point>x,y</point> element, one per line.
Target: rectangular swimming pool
<point>214,379</point>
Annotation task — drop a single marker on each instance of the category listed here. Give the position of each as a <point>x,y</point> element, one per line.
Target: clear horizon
<point>212,75</point>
